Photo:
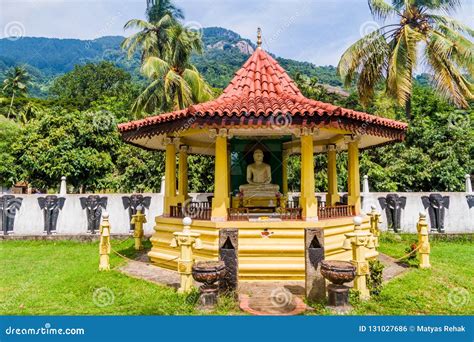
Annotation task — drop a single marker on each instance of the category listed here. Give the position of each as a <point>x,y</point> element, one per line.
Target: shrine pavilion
<point>251,129</point>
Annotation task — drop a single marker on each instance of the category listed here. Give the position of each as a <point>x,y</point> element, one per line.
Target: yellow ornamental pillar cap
<point>105,215</point>
<point>422,214</point>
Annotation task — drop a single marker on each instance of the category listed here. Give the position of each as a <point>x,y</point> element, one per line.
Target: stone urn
<point>209,273</point>
<point>338,273</point>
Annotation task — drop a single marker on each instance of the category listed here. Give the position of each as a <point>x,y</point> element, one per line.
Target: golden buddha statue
<point>259,177</point>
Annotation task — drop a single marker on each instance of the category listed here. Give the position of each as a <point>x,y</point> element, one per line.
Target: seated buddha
<point>259,177</point>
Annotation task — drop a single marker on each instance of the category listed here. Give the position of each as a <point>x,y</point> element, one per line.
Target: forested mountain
<point>225,51</point>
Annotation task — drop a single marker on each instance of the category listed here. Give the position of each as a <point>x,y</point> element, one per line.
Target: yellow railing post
<point>187,240</point>
<point>359,241</point>
<point>375,220</point>
<point>423,241</point>
<point>104,243</point>
<point>138,220</point>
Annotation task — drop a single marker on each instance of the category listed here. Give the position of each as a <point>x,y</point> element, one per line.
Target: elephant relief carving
<point>51,206</point>
<point>393,205</point>
<point>436,205</point>
<point>93,205</point>
<point>132,202</point>
<point>9,205</point>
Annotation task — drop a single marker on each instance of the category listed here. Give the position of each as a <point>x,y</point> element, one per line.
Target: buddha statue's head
<point>258,156</point>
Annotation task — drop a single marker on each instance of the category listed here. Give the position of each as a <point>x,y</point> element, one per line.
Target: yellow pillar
<point>332,197</point>
<point>423,241</point>
<point>308,200</point>
<point>186,240</point>
<point>183,174</point>
<point>170,175</point>
<point>353,181</point>
<point>220,202</point>
<point>284,172</point>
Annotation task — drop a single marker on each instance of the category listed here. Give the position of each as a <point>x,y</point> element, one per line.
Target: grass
<point>445,289</point>
<point>61,277</point>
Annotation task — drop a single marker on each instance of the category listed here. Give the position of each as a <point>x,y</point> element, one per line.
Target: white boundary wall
<point>72,219</point>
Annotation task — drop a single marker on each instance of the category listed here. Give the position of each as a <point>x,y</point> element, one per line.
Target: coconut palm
<point>391,52</point>
<point>15,84</point>
<point>152,37</point>
<point>176,83</point>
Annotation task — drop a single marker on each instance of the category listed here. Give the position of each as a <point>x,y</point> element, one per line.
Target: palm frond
<point>448,80</point>
<point>354,57</point>
<point>401,64</point>
<point>380,9</point>
<point>451,23</point>
<point>453,45</point>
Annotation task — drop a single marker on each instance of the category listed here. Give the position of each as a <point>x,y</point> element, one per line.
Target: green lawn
<point>61,277</point>
<point>447,288</point>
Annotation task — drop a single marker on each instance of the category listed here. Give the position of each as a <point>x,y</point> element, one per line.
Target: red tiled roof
<point>260,89</point>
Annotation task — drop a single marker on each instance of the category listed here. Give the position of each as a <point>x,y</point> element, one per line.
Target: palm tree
<point>176,82</point>
<point>390,53</point>
<point>15,83</point>
<point>152,37</point>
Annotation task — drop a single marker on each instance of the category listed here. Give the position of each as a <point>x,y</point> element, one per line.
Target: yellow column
<point>308,200</point>
<point>284,172</point>
<point>332,197</point>
<point>353,181</point>
<point>423,241</point>
<point>170,175</point>
<point>220,202</point>
<point>183,174</point>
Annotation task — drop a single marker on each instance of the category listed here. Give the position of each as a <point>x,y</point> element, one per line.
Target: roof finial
<point>259,37</point>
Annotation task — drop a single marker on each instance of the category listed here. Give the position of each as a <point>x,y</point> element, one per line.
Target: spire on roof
<point>259,37</point>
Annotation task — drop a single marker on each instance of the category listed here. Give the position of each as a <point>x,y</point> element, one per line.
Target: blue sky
<point>317,31</point>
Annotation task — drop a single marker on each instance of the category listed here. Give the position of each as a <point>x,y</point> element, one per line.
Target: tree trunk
<point>11,105</point>
<point>408,108</point>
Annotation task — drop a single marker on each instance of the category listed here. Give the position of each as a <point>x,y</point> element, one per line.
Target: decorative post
<point>359,241</point>
<point>138,220</point>
<point>468,184</point>
<point>423,241</point>
<point>332,196</point>
<point>375,220</point>
<point>170,175</point>
<point>308,200</point>
<point>63,188</point>
<point>187,240</point>
<point>104,244</point>
<point>365,185</point>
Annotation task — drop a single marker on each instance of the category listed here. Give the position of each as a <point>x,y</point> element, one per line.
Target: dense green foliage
<point>92,82</point>
<point>73,132</point>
